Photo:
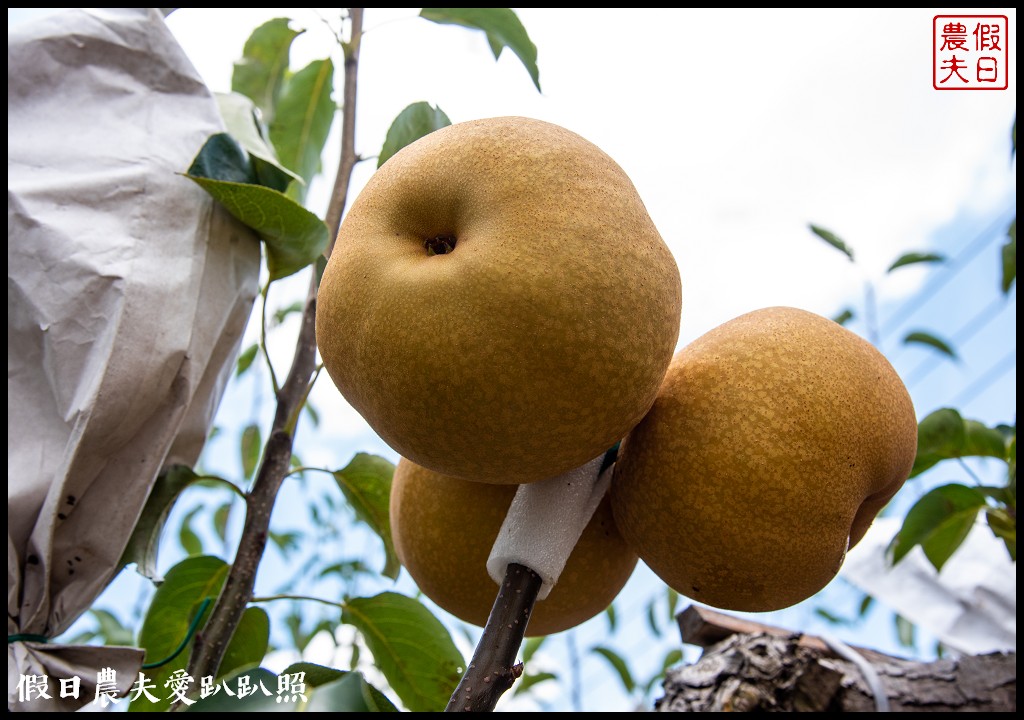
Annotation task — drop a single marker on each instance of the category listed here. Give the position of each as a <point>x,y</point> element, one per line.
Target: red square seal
<point>970,52</point>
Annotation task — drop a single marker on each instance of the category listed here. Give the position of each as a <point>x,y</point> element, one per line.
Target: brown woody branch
<point>211,644</point>
<point>493,668</point>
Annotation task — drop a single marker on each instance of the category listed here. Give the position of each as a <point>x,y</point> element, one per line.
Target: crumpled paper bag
<point>128,291</point>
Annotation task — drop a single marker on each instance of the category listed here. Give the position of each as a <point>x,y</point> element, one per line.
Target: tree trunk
<point>758,668</point>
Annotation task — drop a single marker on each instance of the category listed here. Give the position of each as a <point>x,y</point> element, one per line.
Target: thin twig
<point>493,668</point>
<point>212,642</point>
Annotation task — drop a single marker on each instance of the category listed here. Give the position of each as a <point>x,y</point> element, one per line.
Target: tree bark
<point>758,668</point>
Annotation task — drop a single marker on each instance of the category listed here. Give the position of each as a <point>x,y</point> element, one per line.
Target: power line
<point>989,377</point>
<point>951,270</point>
<point>971,328</point>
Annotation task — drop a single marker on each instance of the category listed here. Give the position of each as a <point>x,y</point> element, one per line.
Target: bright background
<point>738,127</point>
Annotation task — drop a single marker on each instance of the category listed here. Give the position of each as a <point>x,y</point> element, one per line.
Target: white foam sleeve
<point>546,520</point>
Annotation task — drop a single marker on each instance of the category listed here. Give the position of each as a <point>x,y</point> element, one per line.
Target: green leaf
<point>832,239</point>
<point>315,675</point>
<point>652,618</point>
<point>1003,525</point>
<point>145,540</point>
<point>410,647</point>
<point>502,27</point>
<point>220,520</point>
<point>260,72</point>
<point>618,664</point>
<point>250,448</point>
<point>187,536</point>
<point>938,522</point>
<point>1010,258</point>
<point>914,258</point>
<point>526,682</point>
<point>844,317</point>
<point>923,338</point>
<point>672,599</point>
<point>281,313</point>
<point>295,237</point>
<point>829,616</point>
<point>366,483</point>
<point>945,435</point>
<point>260,679</point>
<point>673,657</point>
<point>242,121</point>
<point>314,415</point>
<point>904,631</point>
<point>287,542</point>
<point>531,646</point>
<point>171,612</point>
<point>865,604</point>
<point>111,629</point>
<point>350,693</point>
<point>246,358</point>
<point>414,122</point>
<point>983,441</point>
<point>610,615</point>
<point>303,120</point>
<point>222,158</point>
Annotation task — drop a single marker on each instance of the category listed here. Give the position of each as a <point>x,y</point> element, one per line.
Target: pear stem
<point>493,668</point>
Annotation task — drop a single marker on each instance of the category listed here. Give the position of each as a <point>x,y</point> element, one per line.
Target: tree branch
<point>212,642</point>
<point>493,668</point>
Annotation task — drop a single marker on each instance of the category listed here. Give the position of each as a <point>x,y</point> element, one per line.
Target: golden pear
<point>443,529</point>
<point>499,305</point>
<point>775,440</point>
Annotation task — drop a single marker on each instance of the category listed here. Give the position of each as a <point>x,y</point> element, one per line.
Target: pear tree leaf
<point>610,616</point>
<point>242,121</point>
<point>415,121</point>
<point>527,681</point>
<point>832,239</point>
<point>187,536</point>
<point>170,613</point>
<point>261,70</point>
<point>923,338</point>
<point>145,540</point>
<point>1003,525</point>
<point>829,616</point>
<point>983,441</point>
<point>366,483</point>
<point>672,599</point>
<point>349,693</point>
<point>618,664</point>
<point>1010,258</point>
<point>844,317</point>
<point>223,158</point>
<point>305,112</point>
<point>281,313</point>
<point>220,520</point>
<point>502,27</point>
<point>945,435</point>
<point>295,237</point>
<point>904,631</point>
<point>939,522</point>
<point>111,629</point>
<point>914,258</point>
<point>531,646</point>
<point>410,647</point>
<point>865,604</point>
<point>250,449</point>
<point>246,358</point>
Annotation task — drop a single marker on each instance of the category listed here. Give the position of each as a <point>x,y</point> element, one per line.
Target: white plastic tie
<point>545,522</point>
